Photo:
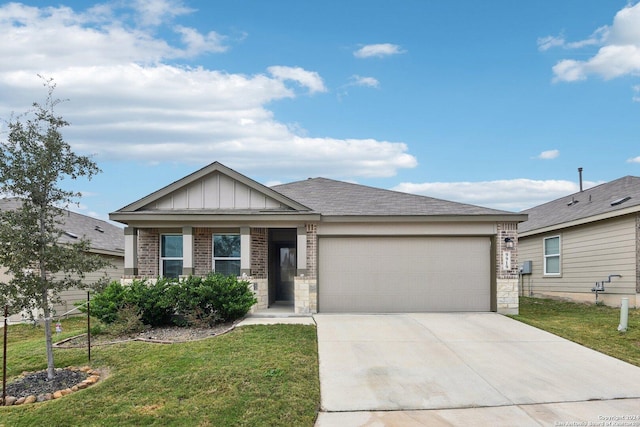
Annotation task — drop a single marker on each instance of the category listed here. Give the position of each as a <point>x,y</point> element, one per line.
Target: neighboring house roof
<point>338,198</point>
<point>105,238</point>
<point>607,200</point>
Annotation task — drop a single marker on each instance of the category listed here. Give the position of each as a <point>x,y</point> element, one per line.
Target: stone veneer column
<point>507,292</point>
<point>306,284</point>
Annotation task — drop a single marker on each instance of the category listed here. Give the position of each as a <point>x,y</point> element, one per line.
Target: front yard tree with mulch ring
<point>34,160</point>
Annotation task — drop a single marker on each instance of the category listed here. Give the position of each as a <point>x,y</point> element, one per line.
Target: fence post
<point>4,358</point>
<point>88,327</point>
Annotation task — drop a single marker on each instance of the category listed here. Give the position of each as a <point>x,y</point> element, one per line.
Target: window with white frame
<point>226,254</point>
<point>552,255</point>
<point>171,255</point>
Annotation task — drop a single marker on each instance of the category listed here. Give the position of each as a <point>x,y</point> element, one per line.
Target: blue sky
<point>492,103</point>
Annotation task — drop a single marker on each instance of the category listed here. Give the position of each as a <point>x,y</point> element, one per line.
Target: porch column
<point>130,251</point>
<point>301,251</point>
<point>187,251</point>
<point>245,251</point>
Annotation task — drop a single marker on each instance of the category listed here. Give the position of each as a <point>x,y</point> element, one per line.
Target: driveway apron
<point>450,361</point>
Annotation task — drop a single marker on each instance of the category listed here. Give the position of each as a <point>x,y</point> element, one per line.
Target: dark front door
<point>285,272</point>
<point>282,265</point>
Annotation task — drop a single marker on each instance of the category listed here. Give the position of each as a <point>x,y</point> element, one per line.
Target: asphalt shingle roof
<point>103,235</point>
<point>330,197</point>
<point>593,201</point>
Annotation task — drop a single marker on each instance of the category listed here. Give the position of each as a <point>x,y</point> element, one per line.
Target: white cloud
<point>634,160</point>
<point>378,50</point>
<point>129,100</point>
<point>511,195</point>
<point>309,79</point>
<point>618,55</point>
<point>548,155</point>
<point>357,80</point>
<point>636,93</point>
<point>546,43</point>
<point>156,12</point>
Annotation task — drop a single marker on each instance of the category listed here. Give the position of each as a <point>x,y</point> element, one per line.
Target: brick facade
<point>259,252</point>
<point>312,250</point>
<point>148,252</point>
<point>202,247</point>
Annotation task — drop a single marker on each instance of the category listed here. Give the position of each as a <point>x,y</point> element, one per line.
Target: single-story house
<point>107,240</point>
<point>321,245</point>
<point>584,240</point>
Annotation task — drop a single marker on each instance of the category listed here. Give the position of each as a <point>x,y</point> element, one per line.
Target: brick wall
<point>259,252</point>
<point>202,247</point>
<point>312,250</point>
<point>507,230</point>
<point>148,252</point>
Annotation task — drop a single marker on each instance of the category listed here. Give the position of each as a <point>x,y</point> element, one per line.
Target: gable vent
<point>620,201</point>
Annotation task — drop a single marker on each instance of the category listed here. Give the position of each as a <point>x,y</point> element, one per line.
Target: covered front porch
<point>275,259</point>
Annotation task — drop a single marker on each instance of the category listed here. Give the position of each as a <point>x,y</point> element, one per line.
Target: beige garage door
<point>403,274</point>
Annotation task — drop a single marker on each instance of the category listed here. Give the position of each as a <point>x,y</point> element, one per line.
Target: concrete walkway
<point>465,369</point>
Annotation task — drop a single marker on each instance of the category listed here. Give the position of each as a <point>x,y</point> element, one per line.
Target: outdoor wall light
<point>508,241</point>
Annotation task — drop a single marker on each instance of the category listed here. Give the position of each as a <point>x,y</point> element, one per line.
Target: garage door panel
<point>404,274</point>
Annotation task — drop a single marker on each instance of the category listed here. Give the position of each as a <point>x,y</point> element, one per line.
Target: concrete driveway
<point>464,369</point>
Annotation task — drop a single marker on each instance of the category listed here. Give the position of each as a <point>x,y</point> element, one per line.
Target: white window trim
<point>213,248</point>
<point>168,258</point>
<point>545,256</point>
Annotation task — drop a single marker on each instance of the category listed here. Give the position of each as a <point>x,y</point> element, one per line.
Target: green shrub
<point>194,301</point>
<point>154,304</point>
<point>128,321</point>
<point>106,304</point>
<point>210,299</point>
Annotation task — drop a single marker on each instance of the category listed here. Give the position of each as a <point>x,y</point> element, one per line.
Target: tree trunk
<point>51,367</point>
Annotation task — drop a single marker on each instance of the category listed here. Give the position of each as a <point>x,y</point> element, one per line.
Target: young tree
<point>33,162</point>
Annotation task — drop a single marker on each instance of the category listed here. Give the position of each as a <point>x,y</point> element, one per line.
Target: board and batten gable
<point>589,254</point>
<point>215,191</point>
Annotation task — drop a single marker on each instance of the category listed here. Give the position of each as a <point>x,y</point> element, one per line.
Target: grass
<point>593,326</point>
<point>254,375</point>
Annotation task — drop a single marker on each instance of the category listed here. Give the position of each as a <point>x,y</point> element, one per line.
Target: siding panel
<point>589,254</point>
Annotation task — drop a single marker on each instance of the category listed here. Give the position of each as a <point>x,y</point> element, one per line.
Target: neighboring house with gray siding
<point>583,238</point>
<point>107,240</point>
<point>321,245</point>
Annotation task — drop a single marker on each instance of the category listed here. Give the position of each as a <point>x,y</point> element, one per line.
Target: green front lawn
<point>254,375</point>
<point>593,326</point>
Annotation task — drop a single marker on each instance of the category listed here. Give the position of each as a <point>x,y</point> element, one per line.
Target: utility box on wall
<point>525,268</point>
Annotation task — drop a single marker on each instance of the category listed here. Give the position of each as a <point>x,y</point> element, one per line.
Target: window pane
<point>226,245</point>
<point>553,265</point>
<point>171,246</point>
<point>172,268</point>
<point>552,246</point>
<point>228,268</point>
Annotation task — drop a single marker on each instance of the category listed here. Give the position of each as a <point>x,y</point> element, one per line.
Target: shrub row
<point>191,301</point>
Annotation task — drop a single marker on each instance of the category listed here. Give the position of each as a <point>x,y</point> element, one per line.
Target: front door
<point>285,272</point>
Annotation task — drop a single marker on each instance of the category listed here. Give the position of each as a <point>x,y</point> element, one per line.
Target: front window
<point>552,255</point>
<point>226,254</point>
<point>171,255</point>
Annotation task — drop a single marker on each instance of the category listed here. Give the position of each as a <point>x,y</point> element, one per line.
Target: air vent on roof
<point>620,201</point>
<point>572,202</point>
<point>98,228</point>
<point>70,234</point>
